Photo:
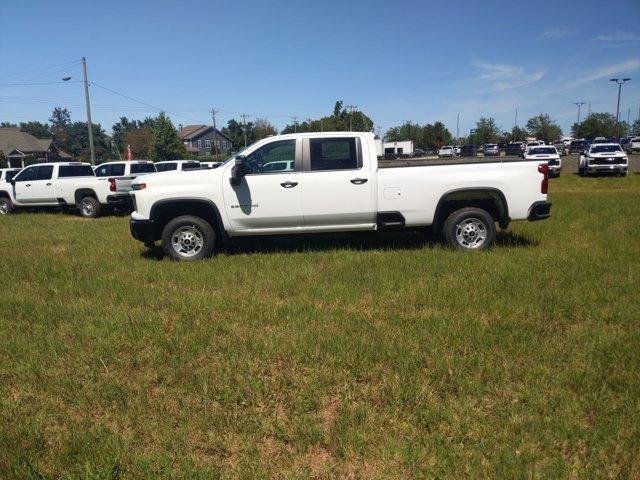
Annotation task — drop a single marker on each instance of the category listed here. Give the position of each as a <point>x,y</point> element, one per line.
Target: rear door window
<point>67,171</point>
<point>191,166</point>
<point>165,167</point>
<point>334,154</point>
<point>142,168</point>
<point>45,172</point>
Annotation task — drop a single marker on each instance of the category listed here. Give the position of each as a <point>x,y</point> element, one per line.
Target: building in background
<point>199,139</point>
<point>18,147</point>
<point>404,147</point>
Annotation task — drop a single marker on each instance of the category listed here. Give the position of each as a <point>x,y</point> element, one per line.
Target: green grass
<point>363,357</point>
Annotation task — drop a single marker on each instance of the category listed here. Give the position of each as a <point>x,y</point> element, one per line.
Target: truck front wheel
<point>6,207</point>
<point>470,229</point>
<point>89,207</point>
<point>188,238</point>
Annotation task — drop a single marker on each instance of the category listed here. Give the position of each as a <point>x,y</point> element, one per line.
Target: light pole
<point>579,104</point>
<point>620,82</point>
<point>88,103</point>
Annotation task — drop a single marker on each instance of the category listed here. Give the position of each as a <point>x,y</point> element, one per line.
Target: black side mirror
<point>238,171</point>
<point>12,182</point>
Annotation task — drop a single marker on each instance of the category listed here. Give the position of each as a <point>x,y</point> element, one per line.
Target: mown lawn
<point>351,357</point>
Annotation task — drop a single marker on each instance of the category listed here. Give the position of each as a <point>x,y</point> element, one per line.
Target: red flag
<point>129,152</point>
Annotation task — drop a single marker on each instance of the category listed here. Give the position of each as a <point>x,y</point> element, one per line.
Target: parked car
<point>603,158</point>
<point>337,185</point>
<point>600,140</point>
<point>560,147</point>
<point>634,145</point>
<point>577,146</point>
<point>446,151</point>
<point>546,153</point>
<point>491,150</point>
<point>456,150</point>
<point>7,174</point>
<point>515,148</point>
<point>479,148</point>
<point>65,184</point>
<point>468,151</point>
<point>178,165</point>
<point>210,164</point>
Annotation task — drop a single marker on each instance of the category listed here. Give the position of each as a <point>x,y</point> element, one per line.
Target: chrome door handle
<point>359,181</point>
<point>289,184</point>
<point>48,184</point>
<point>28,185</point>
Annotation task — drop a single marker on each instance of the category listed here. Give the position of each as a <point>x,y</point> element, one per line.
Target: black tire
<point>623,174</point>
<point>465,225</point>
<point>89,207</point>
<point>581,172</point>
<point>188,238</point>
<point>6,206</point>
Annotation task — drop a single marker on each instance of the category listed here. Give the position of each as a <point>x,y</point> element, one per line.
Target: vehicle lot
<point>326,356</point>
<point>569,162</point>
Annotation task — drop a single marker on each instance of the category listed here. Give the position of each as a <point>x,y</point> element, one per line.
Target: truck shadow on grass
<point>365,241</point>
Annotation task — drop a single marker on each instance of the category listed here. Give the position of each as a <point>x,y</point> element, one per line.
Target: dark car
<point>577,146</point>
<point>468,151</point>
<point>515,148</point>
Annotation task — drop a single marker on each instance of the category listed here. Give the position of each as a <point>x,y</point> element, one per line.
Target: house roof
<point>14,139</point>
<point>190,132</point>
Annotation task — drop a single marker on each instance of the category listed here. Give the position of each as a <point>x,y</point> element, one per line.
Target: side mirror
<point>12,182</point>
<point>238,171</point>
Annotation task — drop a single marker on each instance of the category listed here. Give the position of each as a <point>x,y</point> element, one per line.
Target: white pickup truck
<point>65,184</point>
<point>119,175</point>
<point>604,158</point>
<point>546,153</point>
<point>333,184</point>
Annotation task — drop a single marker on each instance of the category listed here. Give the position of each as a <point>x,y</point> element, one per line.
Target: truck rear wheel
<point>470,229</point>
<point>188,238</point>
<point>89,207</point>
<point>6,206</point>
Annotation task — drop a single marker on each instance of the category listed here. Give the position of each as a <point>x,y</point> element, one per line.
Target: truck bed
<point>429,161</point>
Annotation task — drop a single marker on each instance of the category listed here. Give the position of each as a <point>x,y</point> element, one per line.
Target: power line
<point>54,72</point>
<point>37,83</point>
<point>37,69</point>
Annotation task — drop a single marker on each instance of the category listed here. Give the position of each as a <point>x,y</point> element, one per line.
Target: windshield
<point>543,151</point>
<point>606,149</point>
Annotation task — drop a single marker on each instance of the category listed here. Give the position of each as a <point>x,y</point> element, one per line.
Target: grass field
<point>326,357</point>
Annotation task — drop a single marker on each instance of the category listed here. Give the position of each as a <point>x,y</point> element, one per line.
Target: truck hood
<point>607,154</point>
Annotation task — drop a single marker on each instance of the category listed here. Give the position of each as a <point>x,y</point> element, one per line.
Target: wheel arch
<point>84,192</point>
<point>5,194</point>
<point>163,211</point>
<point>490,199</point>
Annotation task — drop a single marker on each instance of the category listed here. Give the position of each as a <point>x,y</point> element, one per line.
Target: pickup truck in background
<point>178,165</point>
<point>546,153</point>
<point>118,176</point>
<point>604,158</point>
<point>65,184</point>
<point>333,183</point>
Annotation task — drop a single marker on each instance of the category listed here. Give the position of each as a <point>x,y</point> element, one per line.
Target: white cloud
<point>619,36</point>
<point>558,32</point>
<point>504,77</point>
<point>606,72</point>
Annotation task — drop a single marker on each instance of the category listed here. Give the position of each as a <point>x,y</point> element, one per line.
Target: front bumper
<point>143,230</point>
<point>539,211</point>
<point>614,168</point>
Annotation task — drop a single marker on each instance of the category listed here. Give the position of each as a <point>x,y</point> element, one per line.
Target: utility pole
<point>619,82</point>
<point>295,124</point>
<point>321,125</point>
<point>457,127</point>
<point>309,123</point>
<point>628,115</point>
<point>378,130</point>
<point>589,111</point>
<point>351,108</point>
<point>579,104</point>
<point>89,124</point>
<point>244,127</point>
<point>515,122</point>
<point>215,131</point>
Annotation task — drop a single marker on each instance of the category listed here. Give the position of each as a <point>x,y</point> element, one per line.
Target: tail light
<point>544,170</point>
<point>112,184</point>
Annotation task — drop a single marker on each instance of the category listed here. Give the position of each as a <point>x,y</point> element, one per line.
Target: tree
<point>263,129</point>
<point>542,127</point>
<point>165,141</point>
<point>598,125</point>
<point>235,131</point>
<point>428,136</point>
<point>487,131</point>
<point>518,134</point>
<point>436,135</point>
<point>141,141</point>
<point>75,141</point>
<point>8,125</point>
<point>635,128</point>
<point>60,119</point>
<point>37,129</point>
<point>340,121</point>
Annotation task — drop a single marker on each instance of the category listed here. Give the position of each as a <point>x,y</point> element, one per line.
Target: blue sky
<point>398,61</point>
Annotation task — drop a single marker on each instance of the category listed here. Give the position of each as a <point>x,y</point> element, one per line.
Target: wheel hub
<point>187,241</point>
<point>4,208</point>
<point>471,233</point>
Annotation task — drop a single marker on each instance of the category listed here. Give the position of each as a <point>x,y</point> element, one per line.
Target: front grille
<point>607,161</point>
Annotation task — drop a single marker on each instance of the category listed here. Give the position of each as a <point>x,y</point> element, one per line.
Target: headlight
<point>139,186</point>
